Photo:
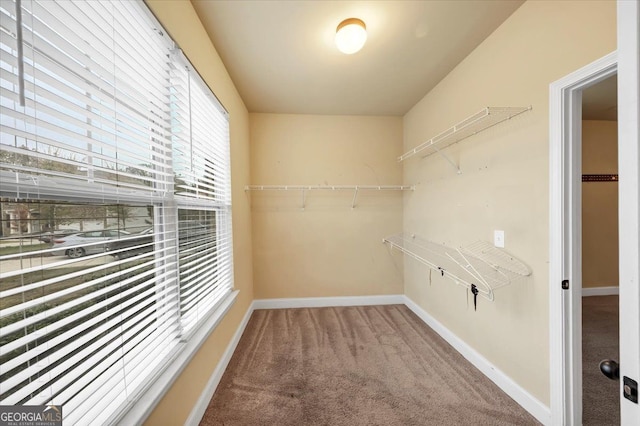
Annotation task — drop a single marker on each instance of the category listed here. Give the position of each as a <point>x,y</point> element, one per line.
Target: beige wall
<point>599,205</point>
<point>505,177</point>
<point>328,249</point>
<point>180,20</point>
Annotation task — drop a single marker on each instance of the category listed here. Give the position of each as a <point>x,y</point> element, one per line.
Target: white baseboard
<point>600,291</point>
<point>203,402</point>
<point>536,408</point>
<point>323,302</point>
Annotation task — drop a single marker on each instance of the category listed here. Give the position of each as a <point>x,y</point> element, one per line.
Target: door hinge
<point>565,284</point>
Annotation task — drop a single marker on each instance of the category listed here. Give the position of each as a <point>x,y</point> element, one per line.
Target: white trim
<point>629,199</point>
<point>565,341</point>
<point>600,291</point>
<point>205,397</point>
<point>141,408</point>
<point>536,408</point>
<point>323,302</point>
<point>530,403</point>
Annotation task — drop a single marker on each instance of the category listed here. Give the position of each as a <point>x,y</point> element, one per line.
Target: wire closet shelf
<point>482,120</point>
<point>480,267</point>
<point>304,188</point>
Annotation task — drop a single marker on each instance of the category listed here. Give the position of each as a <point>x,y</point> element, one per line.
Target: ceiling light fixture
<point>351,35</point>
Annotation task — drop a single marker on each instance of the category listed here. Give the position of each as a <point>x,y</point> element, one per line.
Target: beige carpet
<point>600,400</point>
<point>374,365</point>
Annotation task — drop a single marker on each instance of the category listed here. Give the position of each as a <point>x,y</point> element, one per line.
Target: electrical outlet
<point>498,238</point>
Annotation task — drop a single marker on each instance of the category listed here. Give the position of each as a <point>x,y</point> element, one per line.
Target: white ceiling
<point>282,59</point>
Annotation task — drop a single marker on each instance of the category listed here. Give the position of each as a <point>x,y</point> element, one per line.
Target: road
<point>30,262</point>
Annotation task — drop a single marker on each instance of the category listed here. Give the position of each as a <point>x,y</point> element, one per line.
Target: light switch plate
<point>498,238</point>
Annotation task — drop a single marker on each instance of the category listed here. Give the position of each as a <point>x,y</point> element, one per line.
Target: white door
<point>629,203</point>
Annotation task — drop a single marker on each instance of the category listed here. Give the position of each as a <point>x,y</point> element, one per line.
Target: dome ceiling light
<point>351,35</point>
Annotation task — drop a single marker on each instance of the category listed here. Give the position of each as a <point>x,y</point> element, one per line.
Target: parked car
<point>83,243</point>
<point>47,237</point>
<point>191,234</point>
<point>131,245</point>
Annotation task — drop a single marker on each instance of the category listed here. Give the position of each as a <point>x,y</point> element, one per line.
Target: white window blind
<point>115,206</point>
<point>202,188</point>
<point>95,112</point>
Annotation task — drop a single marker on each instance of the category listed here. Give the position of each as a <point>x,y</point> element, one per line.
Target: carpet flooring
<point>371,365</point>
<point>600,400</point>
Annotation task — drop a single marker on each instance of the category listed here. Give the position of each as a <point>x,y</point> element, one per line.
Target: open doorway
<point>565,237</point>
<point>600,277</point>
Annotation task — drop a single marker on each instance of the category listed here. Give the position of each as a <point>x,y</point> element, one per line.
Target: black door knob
<point>610,368</point>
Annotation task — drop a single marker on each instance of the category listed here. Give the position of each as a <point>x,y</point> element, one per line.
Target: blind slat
<point>96,335</point>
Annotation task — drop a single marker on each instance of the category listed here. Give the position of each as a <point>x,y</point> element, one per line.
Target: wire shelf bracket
<point>448,160</point>
<point>482,120</point>
<point>305,188</point>
<point>480,267</point>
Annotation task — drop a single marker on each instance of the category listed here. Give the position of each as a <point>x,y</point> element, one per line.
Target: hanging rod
<point>354,188</point>
<point>328,187</point>
<point>600,178</point>
<point>482,120</point>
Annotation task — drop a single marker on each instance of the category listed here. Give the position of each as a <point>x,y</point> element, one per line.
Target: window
<point>115,204</point>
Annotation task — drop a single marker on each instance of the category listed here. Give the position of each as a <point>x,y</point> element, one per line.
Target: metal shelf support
<point>449,160</point>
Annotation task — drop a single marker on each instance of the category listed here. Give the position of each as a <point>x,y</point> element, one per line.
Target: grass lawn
<point>23,249</point>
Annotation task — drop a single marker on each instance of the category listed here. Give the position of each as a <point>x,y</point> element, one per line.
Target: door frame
<point>564,247</point>
<point>629,198</point>
<point>565,239</point>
